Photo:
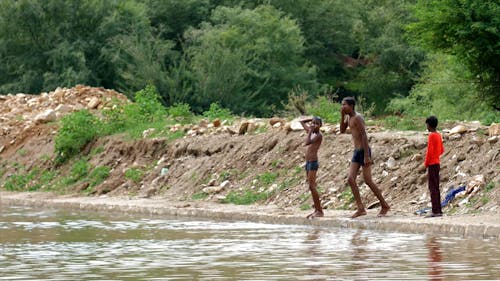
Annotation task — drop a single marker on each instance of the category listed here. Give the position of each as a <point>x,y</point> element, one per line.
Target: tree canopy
<point>249,56</point>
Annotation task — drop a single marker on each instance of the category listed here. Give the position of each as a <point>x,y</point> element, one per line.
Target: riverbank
<point>481,226</point>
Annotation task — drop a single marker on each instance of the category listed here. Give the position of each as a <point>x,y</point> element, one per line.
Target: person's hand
<point>368,161</point>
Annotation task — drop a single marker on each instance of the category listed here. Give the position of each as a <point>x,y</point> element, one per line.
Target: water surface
<point>52,244</point>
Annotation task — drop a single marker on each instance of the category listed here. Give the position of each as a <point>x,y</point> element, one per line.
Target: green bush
<point>134,175</point>
<point>80,170</point>
<point>218,112</point>
<point>148,105</point>
<point>180,111</point>
<point>98,175</point>
<point>78,129</point>
<point>326,109</point>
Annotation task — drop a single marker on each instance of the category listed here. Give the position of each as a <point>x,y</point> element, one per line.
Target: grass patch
<point>305,207</point>
<point>199,195</point>
<point>98,175</point>
<point>490,186</point>
<point>348,198</point>
<point>246,198</point>
<point>267,178</point>
<point>134,174</point>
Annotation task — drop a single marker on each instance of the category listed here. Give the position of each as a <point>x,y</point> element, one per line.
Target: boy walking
<point>361,156</point>
<point>432,163</point>
<point>313,142</point>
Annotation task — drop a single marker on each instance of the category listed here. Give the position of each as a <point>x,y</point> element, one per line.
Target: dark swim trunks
<point>359,156</point>
<point>312,165</point>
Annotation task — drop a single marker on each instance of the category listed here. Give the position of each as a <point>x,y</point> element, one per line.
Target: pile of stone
<point>21,112</point>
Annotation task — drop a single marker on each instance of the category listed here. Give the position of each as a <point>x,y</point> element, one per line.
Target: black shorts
<point>359,156</point>
<point>312,165</point>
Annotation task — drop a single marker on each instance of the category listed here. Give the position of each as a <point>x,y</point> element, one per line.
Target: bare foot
<point>315,214</point>
<point>358,214</point>
<point>383,211</point>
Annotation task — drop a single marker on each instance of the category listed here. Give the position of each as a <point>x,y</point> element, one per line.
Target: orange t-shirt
<point>434,149</point>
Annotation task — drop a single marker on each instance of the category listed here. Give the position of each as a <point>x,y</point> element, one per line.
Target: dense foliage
<point>251,56</point>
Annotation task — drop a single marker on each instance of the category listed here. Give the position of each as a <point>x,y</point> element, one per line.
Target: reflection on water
<point>64,245</point>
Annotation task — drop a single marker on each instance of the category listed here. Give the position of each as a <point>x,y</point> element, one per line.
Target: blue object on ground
<point>449,196</point>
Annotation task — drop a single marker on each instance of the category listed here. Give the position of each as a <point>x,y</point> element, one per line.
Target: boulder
<point>93,103</point>
<point>494,130</point>
<point>48,115</point>
<point>460,129</point>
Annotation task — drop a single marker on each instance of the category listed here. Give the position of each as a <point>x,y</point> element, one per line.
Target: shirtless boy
<point>361,157</point>
<point>313,142</point>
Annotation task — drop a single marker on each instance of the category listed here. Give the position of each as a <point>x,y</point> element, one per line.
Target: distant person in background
<point>432,162</point>
<point>361,157</point>
<point>313,142</point>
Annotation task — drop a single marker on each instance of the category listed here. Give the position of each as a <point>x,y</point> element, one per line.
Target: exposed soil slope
<point>212,162</point>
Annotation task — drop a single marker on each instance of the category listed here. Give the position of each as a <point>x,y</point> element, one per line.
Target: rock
<point>48,115</point>
<point>493,139</point>
<point>461,157</point>
<point>295,125</point>
<point>213,189</point>
<point>146,133</point>
<point>460,129</point>
<point>216,123</point>
<point>477,140</point>
<point>417,157</point>
<point>391,164</point>
<point>243,128</point>
<point>276,120</point>
<point>475,184</point>
<point>494,129</point>
<point>225,184</point>
<point>93,103</point>
<point>455,137</point>
<point>62,108</point>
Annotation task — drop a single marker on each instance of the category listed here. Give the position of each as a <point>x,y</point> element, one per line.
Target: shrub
<point>325,108</point>
<point>134,175</point>
<point>78,129</point>
<point>216,111</point>
<point>180,111</point>
<point>98,175</point>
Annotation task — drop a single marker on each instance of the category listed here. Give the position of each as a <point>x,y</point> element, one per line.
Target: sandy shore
<point>470,226</point>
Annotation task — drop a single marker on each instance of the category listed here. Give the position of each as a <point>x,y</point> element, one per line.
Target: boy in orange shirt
<point>432,163</point>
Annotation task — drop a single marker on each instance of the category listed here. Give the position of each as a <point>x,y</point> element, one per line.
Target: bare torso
<point>312,148</point>
<point>357,126</point>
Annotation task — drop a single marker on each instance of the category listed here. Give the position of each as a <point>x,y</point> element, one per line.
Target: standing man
<point>313,142</point>
<point>361,157</point>
<point>432,163</point>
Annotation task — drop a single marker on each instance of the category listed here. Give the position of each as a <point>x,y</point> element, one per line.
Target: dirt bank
<point>262,162</point>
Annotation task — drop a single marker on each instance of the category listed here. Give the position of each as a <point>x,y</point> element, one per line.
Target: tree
<point>45,44</point>
<point>469,29</point>
<point>388,63</point>
<point>248,59</point>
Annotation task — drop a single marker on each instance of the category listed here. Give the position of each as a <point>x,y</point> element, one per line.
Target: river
<point>60,244</point>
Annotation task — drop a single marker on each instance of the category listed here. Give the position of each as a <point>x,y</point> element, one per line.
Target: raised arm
<point>304,124</point>
<point>344,119</point>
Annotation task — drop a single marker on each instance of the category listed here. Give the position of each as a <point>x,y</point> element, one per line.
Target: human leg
<point>318,210</point>
<point>433,180</point>
<point>353,172</point>
<point>367,176</point>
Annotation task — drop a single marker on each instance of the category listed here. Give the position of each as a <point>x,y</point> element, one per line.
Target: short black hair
<point>350,101</point>
<point>432,121</point>
<point>316,118</point>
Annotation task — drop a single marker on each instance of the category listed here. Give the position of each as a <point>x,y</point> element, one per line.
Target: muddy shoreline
<point>480,226</point>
